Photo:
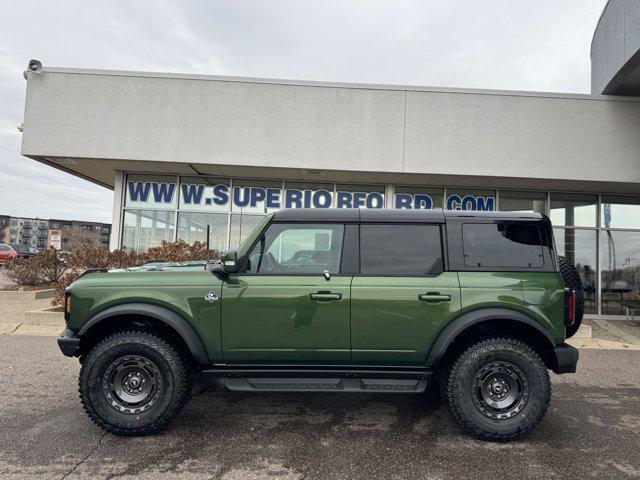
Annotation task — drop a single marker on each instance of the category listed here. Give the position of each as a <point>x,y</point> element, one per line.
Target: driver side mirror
<point>224,266</point>
<point>229,261</point>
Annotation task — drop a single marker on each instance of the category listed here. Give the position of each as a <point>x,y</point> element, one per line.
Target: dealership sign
<point>221,197</point>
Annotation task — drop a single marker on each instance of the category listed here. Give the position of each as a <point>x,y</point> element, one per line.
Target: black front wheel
<point>498,389</point>
<point>134,383</point>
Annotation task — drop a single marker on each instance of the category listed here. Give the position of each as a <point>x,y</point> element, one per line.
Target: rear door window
<point>400,250</point>
<point>502,244</point>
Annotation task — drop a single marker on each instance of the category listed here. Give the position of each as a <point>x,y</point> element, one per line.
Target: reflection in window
<point>241,227</point>
<point>571,210</point>
<point>620,263</point>
<point>512,201</point>
<point>193,227</point>
<point>620,212</point>
<point>146,228</point>
<point>502,244</point>
<point>421,252</point>
<point>579,247</point>
<point>291,249</point>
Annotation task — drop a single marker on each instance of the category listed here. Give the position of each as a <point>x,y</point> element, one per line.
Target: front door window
<point>292,249</point>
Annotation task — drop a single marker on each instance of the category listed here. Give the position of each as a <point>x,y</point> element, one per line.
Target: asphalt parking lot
<point>592,430</point>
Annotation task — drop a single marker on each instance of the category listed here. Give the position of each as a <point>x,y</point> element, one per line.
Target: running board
<point>370,381</point>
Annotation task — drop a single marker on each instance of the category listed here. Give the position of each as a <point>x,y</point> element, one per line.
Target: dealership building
<point>199,157</point>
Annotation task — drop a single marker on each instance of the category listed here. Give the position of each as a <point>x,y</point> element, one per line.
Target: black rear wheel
<point>571,279</point>
<point>134,383</point>
<point>498,389</point>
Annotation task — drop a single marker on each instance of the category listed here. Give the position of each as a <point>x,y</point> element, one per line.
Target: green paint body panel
<point>180,290</point>
<point>539,295</point>
<point>357,320</point>
<point>391,326</point>
<point>273,320</point>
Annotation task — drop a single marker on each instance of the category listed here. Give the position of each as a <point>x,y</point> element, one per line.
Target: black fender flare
<point>466,320</point>
<point>164,315</point>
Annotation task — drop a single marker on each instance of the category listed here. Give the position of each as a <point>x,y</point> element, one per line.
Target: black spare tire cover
<point>572,280</point>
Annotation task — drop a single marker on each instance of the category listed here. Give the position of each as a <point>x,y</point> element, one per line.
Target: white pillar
<point>117,215</point>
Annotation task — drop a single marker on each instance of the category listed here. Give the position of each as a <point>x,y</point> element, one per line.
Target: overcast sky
<point>506,44</point>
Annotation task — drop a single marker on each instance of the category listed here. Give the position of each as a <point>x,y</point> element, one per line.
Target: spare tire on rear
<point>571,279</point>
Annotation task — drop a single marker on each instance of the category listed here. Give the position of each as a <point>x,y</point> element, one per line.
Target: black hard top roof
<point>388,215</point>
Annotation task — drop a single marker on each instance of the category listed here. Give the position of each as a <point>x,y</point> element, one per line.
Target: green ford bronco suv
<point>338,301</point>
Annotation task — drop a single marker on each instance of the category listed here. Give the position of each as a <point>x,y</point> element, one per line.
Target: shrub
<point>87,257</point>
<point>44,267</point>
<point>179,251</point>
<point>61,285</point>
<point>50,266</point>
<point>24,271</point>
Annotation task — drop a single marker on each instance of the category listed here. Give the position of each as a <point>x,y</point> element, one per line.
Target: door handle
<point>325,296</point>
<point>434,297</point>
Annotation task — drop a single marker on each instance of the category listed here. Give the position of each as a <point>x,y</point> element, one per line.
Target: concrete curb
<point>584,332</point>
<point>44,317</point>
<point>617,331</point>
<point>596,344</point>
<point>26,294</point>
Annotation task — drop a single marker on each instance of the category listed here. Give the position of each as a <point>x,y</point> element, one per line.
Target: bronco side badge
<point>211,297</point>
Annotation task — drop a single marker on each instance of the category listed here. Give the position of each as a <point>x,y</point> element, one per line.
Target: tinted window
<point>291,249</point>
<point>402,250</point>
<point>502,244</point>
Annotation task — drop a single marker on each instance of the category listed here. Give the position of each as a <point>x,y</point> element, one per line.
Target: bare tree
<point>75,238</point>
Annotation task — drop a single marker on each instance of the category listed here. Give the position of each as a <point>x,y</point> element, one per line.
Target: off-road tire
<point>172,379</point>
<point>463,399</point>
<point>442,379</point>
<point>571,279</point>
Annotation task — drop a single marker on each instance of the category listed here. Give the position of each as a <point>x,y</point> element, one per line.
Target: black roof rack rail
<point>93,270</point>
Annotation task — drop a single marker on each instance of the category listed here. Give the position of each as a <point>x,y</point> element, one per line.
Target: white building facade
<point>204,158</point>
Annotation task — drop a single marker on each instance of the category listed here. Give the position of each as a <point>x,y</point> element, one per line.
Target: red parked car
<point>6,253</point>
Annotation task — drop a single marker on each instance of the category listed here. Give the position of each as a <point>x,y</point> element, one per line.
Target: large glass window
<point>417,197</point>
<point>620,260</point>
<point>573,210</point>
<point>502,244</point>
<point>241,227</point>
<point>579,247</point>
<point>151,191</point>
<point>291,249</point>
<point>200,227</point>
<point>147,228</point>
<point>421,252</point>
<point>468,199</point>
<point>514,201</point>
<point>620,212</point>
<point>359,196</point>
